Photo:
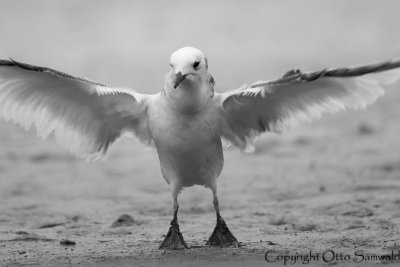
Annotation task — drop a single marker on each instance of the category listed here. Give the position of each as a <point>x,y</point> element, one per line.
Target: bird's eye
<point>196,64</point>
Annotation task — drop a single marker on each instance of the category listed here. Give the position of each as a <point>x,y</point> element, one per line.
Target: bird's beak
<point>179,77</point>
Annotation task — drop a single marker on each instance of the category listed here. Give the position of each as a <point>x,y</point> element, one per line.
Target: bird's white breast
<point>188,144</point>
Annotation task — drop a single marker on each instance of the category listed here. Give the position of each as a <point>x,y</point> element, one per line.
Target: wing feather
<point>85,117</point>
<point>297,97</point>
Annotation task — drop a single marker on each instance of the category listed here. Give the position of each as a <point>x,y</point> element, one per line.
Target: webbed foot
<point>174,238</point>
<point>222,236</point>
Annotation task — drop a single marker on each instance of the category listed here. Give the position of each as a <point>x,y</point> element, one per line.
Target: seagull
<point>187,120</point>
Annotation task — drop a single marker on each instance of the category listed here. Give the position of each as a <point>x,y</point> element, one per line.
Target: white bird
<point>186,120</point>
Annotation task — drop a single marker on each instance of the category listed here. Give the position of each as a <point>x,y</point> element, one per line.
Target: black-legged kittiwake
<point>186,120</point>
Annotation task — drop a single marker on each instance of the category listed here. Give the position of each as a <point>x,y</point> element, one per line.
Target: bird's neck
<point>191,96</point>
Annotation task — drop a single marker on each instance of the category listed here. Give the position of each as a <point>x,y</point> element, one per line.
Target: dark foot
<point>174,238</point>
<point>222,236</point>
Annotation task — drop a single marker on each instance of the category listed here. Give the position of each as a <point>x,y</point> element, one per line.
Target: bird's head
<point>187,63</point>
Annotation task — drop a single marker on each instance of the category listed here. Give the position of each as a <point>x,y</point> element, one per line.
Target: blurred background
<point>302,179</point>
<point>128,43</point>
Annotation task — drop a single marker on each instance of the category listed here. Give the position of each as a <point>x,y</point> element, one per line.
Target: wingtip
<point>5,62</point>
<point>16,63</point>
<point>25,65</point>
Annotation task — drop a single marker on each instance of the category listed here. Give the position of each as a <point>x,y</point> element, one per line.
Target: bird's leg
<point>174,238</point>
<point>221,235</point>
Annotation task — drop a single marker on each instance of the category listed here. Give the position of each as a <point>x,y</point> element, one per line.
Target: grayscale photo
<point>199,133</point>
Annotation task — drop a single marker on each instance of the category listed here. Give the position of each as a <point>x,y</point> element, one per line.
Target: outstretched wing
<point>85,117</point>
<point>297,97</point>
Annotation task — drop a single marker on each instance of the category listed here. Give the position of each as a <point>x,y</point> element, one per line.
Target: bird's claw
<point>174,238</point>
<point>222,236</point>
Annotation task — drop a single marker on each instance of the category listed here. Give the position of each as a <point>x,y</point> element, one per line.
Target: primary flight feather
<point>186,120</point>
<point>84,116</point>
